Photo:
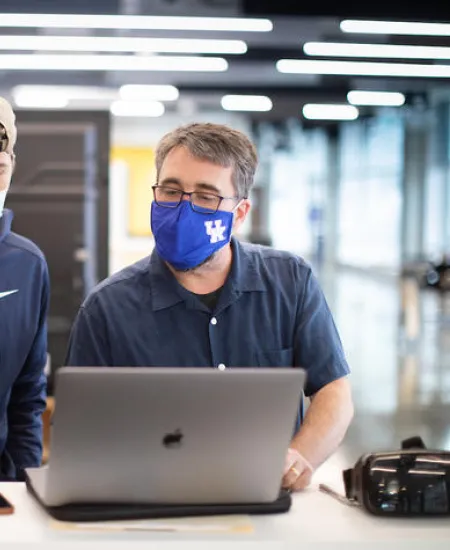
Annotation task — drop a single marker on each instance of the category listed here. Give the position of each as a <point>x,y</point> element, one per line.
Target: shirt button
<point>214,321</point>
<point>221,366</point>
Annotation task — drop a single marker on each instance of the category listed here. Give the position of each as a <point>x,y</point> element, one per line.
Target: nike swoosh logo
<point>8,293</point>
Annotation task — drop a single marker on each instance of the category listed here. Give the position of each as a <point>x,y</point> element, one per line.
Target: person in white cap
<point>24,300</point>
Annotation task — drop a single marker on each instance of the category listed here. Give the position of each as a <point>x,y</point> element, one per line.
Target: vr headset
<point>413,481</point>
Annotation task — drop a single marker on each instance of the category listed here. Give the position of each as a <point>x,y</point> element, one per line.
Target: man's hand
<point>322,431</point>
<point>297,471</point>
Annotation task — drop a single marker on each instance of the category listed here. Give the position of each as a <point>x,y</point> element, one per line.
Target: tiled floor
<point>397,341</point>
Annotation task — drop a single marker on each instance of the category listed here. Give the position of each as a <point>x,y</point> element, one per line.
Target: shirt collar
<point>163,284</point>
<point>244,277</point>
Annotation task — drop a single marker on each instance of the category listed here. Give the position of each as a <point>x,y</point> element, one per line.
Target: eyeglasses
<point>203,202</point>
<point>4,139</point>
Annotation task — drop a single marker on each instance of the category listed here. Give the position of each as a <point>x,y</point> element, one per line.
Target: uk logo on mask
<point>216,231</point>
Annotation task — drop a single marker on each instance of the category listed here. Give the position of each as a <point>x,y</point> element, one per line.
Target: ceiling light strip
<point>395,27</point>
<point>61,62</point>
<point>120,44</point>
<point>357,68</point>
<point>339,49</point>
<point>135,22</point>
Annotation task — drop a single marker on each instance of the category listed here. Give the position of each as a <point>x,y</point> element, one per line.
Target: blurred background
<point>349,109</point>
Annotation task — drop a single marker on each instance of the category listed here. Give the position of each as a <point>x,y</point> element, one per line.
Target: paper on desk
<point>213,524</point>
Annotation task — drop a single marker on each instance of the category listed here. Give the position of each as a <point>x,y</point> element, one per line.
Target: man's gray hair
<point>217,144</point>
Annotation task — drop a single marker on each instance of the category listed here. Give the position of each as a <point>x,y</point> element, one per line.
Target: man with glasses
<point>24,298</point>
<point>204,299</point>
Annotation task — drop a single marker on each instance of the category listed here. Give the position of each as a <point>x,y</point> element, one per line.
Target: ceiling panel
<point>437,10</point>
<point>254,72</point>
<point>61,6</point>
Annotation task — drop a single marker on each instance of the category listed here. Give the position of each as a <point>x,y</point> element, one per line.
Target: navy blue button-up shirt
<point>271,312</point>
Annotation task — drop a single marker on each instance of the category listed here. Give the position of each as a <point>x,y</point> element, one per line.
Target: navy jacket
<point>24,300</point>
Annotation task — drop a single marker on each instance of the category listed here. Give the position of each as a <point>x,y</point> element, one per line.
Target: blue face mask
<point>185,238</point>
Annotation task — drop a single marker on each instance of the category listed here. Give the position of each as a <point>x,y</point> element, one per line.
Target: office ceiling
<point>255,71</point>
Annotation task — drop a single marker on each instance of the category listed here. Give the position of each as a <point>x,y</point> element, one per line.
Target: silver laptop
<point>166,435</point>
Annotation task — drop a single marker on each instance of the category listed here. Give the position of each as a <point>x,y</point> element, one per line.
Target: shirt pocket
<point>275,358</point>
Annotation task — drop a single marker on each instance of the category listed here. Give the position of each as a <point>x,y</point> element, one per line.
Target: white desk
<point>315,521</point>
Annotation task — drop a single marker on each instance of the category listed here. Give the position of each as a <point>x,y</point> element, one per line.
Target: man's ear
<point>13,163</point>
<point>241,213</point>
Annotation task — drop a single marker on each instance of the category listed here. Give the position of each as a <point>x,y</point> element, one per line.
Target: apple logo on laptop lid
<point>173,440</point>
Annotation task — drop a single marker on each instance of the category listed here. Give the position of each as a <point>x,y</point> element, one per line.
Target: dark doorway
<point>59,195</point>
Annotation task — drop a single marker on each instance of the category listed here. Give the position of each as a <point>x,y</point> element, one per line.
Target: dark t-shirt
<point>210,300</point>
